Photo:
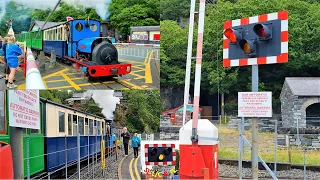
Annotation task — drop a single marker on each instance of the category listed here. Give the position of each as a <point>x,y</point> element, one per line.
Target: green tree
<point>58,96</point>
<point>127,13</point>
<point>174,10</point>
<point>141,111</point>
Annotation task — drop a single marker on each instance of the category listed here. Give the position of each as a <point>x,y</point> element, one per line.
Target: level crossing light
<point>263,31</point>
<point>233,35</point>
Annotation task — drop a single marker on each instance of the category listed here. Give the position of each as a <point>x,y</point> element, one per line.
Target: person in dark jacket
<point>126,137</point>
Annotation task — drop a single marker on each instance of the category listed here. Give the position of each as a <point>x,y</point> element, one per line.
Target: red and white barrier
<point>132,44</point>
<point>33,76</point>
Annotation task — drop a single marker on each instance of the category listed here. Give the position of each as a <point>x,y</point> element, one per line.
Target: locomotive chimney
<point>104,28</point>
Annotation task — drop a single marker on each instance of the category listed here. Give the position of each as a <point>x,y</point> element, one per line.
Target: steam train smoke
<point>106,101</point>
<point>101,6</point>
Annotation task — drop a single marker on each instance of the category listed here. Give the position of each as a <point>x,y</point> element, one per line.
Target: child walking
<point>12,52</point>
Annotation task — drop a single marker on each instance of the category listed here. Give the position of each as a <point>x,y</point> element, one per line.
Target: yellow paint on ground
<point>136,168</point>
<point>130,169</point>
<point>148,74</point>
<point>22,87</point>
<point>61,80</point>
<point>133,86</point>
<point>74,85</point>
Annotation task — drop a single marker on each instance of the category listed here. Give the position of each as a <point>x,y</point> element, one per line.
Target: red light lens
<point>230,35</point>
<point>82,47</point>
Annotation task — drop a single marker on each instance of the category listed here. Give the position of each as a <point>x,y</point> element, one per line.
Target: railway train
<point>79,41</point>
<point>59,124</point>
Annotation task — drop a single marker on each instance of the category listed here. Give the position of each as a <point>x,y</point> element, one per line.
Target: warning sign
<point>24,109</point>
<point>254,104</point>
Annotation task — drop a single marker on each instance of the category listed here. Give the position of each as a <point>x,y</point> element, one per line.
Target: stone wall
<point>264,124</point>
<point>293,108</point>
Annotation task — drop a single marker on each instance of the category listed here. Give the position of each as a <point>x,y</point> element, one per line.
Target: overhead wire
<point>59,1</point>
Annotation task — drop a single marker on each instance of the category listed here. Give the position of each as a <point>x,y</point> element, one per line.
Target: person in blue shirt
<point>135,143</point>
<point>6,67</point>
<point>12,52</point>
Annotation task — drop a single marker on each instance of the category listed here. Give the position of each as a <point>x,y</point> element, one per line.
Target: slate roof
<point>304,86</point>
<point>48,24</point>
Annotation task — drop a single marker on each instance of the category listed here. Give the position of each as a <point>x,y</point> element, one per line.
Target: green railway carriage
<point>32,39</point>
<point>36,138</point>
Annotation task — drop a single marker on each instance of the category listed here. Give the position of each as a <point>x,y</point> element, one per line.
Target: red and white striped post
<point>33,76</point>
<point>196,100</point>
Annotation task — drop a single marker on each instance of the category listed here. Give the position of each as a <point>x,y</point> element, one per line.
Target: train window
<point>81,126</point>
<point>2,114</point>
<point>75,125</point>
<point>102,129</point>
<point>61,122</point>
<point>93,27</point>
<point>69,125</point>
<point>34,131</point>
<point>98,127</point>
<point>79,27</point>
<point>94,128</point>
<point>86,127</point>
<point>91,127</point>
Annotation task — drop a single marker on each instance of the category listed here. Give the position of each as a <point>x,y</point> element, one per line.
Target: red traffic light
<point>248,46</point>
<point>154,151</point>
<point>168,151</point>
<point>263,31</point>
<point>232,35</point>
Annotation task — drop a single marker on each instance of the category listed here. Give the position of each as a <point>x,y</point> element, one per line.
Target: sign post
<point>254,41</point>
<point>23,112</point>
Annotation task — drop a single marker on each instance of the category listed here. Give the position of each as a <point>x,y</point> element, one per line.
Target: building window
<point>69,125</point>
<point>102,129</point>
<point>61,122</point>
<point>2,113</point>
<point>81,126</point>
<point>91,127</point>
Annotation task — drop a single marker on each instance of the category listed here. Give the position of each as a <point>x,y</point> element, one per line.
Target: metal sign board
<point>268,52</point>
<point>254,104</point>
<point>24,109</point>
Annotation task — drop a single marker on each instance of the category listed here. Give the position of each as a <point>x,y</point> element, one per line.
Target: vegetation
<point>228,149</point>
<point>303,47</point>
<point>141,111</point>
<point>127,13</point>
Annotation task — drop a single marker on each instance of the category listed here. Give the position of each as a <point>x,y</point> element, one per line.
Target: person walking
<point>6,67</point>
<point>135,143</point>
<point>12,52</point>
<point>126,137</point>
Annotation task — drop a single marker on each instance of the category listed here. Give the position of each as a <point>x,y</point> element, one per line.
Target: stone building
<point>300,102</point>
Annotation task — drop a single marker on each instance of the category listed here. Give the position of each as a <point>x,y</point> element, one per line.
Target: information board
<point>24,109</point>
<point>254,104</point>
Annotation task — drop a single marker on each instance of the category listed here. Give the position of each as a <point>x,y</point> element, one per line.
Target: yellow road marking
<point>21,87</point>
<point>128,83</point>
<point>130,169</point>
<point>148,74</point>
<point>138,70</point>
<point>136,168</point>
<point>61,80</point>
<point>147,56</point>
<point>70,81</point>
<point>55,74</point>
<point>130,61</point>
